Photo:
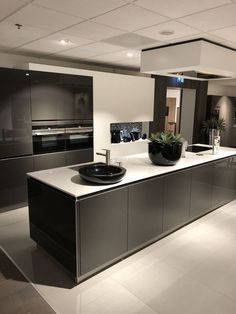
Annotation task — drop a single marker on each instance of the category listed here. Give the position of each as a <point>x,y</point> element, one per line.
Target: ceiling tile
<point>179,29</point>
<point>131,40</point>
<point>8,7</point>
<point>121,55</point>
<point>228,33</point>
<point>174,9</point>
<point>77,53</point>
<point>51,44</point>
<point>101,47</point>
<point>12,37</point>
<point>85,9</point>
<point>130,18</point>
<point>212,19</point>
<point>92,31</point>
<point>43,18</point>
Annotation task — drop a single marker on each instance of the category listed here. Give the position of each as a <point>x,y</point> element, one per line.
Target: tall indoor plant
<point>164,148</point>
<point>213,127</point>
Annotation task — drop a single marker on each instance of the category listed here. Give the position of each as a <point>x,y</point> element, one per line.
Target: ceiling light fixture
<point>130,54</point>
<point>65,41</point>
<point>166,32</point>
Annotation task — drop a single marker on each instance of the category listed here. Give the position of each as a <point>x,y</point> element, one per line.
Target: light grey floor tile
<point>218,273</point>
<point>13,216</point>
<point>117,300</point>
<point>152,281</point>
<point>190,297</point>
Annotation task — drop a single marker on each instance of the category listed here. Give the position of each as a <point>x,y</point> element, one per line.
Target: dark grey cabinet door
<point>15,114</point>
<point>13,183</point>
<point>47,161</point>
<point>79,156</point>
<point>201,190</point>
<point>177,188</point>
<point>56,96</point>
<point>223,182</point>
<point>145,211</point>
<point>102,222</point>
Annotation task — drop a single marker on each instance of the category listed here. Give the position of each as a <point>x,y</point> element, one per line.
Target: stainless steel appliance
<point>61,135</point>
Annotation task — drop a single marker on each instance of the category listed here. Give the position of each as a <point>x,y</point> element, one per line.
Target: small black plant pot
<point>164,155</point>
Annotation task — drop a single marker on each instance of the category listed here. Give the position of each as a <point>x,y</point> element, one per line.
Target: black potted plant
<point>165,148</point>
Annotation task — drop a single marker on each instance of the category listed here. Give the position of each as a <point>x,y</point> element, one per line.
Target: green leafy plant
<point>165,138</point>
<point>216,124</point>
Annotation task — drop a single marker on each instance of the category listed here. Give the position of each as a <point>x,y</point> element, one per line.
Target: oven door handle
<point>78,131</point>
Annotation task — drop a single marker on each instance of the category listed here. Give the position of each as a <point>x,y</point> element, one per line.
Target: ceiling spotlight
<point>130,54</point>
<point>166,32</point>
<point>65,41</point>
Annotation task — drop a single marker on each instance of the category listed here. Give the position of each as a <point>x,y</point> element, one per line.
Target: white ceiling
<point>104,31</point>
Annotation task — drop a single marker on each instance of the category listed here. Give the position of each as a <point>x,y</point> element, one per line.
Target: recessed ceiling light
<point>130,54</point>
<point>65,41</point>
<point>166,32</point>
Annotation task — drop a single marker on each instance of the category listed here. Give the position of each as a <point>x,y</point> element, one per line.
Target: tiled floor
<point>192,271</point>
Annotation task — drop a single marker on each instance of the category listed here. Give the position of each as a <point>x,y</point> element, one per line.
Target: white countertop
<point>138,167</point>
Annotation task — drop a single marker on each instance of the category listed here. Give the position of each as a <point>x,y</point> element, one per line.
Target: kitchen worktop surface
<point>139,167</point>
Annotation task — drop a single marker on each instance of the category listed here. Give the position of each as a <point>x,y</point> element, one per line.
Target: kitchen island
<point>87,227</point>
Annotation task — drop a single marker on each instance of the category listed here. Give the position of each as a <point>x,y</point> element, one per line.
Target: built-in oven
<point>61,135</point>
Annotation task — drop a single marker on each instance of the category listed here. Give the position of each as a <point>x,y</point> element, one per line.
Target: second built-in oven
<point>55,136</point>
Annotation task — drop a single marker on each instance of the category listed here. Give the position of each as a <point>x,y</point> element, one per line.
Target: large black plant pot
<point>164,155</point>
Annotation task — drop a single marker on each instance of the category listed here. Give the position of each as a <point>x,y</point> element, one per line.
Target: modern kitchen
<point>117,156</point>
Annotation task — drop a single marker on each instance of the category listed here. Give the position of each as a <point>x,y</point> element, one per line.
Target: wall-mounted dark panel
<point>15,114</point>
<point>56,96</point>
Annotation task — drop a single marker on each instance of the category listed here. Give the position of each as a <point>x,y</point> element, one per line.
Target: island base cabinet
<point>52,223</point>
<point>224,182</point>
<point>201,190</point>
<point>177,189</point>
<point>145,212</point>
<point>102,222</point>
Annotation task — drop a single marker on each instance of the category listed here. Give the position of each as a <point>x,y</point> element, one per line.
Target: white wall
<point>221,90</point>
<point>117,98</point>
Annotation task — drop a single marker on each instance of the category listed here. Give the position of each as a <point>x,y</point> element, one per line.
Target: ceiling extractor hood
<point>198,59</point>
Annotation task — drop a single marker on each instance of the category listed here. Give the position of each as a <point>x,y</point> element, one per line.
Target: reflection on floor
<point>192,271</point>
<point>17,295</point>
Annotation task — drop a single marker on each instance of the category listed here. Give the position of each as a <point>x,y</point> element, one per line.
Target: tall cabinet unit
<point>57,96</point>
<point>15,114</point>
<point>15,137</point>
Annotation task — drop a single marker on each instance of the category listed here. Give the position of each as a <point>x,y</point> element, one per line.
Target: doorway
<point>180,108</point>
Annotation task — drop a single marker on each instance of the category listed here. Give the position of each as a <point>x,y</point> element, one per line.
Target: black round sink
<point>102,173</point>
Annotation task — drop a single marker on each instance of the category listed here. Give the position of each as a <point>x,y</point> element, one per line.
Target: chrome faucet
<point>107,155</point>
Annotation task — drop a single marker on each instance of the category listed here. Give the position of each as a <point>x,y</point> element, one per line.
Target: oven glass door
<point>79,140</point>
<point>49,143</point>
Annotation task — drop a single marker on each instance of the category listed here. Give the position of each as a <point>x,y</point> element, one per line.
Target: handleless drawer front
<point>103,228</point>
<point>223,182</point>
<point>145,211</point>
<point>201,190</point>
<point>177,189</point>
